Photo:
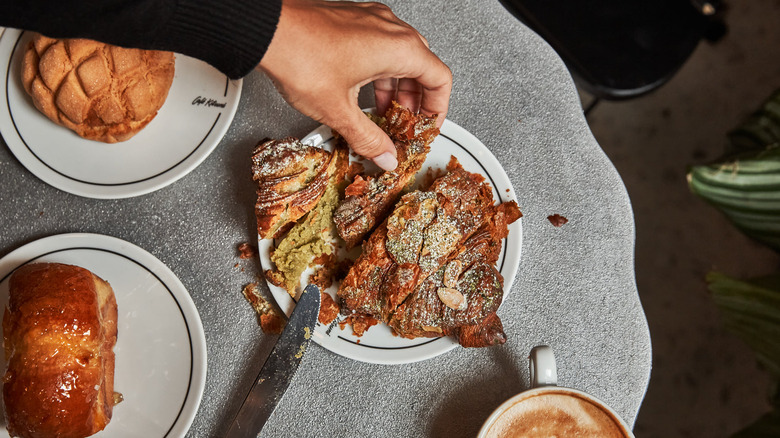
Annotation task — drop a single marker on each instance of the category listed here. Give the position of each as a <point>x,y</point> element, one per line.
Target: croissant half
<point>291,178</point>
<point>429,269</point>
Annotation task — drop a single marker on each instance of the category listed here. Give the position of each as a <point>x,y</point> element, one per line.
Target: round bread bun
<point>102,92</point>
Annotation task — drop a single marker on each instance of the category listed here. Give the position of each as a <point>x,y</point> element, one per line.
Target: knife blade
<point>279,367</point>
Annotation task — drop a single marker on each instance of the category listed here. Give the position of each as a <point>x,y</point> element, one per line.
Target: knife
<point>279,367</point>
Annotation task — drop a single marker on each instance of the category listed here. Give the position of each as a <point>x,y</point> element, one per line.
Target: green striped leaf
<point>751,310</point>
<point>745,188</point>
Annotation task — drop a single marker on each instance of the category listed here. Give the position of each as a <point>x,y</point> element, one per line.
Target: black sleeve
<point>231,35</point>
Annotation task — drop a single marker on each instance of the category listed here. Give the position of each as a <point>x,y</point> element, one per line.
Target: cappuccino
<point>554,412</point>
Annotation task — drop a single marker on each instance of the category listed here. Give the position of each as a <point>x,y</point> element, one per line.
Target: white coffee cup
<point>550,410</point>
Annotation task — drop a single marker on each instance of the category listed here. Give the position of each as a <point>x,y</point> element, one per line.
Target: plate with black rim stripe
<point>161,347</point>
<point>379,344</point>
<point>196,115</point>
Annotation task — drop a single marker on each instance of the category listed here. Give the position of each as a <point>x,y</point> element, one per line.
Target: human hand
<point>323,52</point>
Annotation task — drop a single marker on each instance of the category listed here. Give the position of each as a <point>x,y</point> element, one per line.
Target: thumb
<point>367,139</point>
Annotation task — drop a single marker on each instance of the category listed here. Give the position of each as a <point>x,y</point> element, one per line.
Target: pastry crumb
<point>360,323</point>
<point>329,310</point>
<point>557,220</point>
<point>246,251</point>
<point>269,318</point>
<point>272,324</point>
<point>325,272</point>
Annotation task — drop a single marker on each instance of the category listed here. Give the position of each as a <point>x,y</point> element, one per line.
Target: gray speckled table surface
<point>575,288</point>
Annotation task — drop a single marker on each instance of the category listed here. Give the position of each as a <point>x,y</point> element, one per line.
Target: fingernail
<point>386,161</point>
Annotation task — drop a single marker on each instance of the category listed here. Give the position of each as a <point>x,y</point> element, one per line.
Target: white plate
<point>196,115</point>
<point>161,348</point>
<point>378,344</point>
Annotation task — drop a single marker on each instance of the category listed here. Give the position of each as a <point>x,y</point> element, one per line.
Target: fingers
<point>425,87</point>
<point>367,139</point>
<point>423,39</point>
<point>419,81</point>
<point>384,93</point>
<point>428,83</point>
<point>428,92</point>
<point>409,94</point>
<point>323,52</point>
<point>436,83</point>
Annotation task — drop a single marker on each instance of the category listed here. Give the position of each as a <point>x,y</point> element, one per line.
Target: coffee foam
<point>555,414</point>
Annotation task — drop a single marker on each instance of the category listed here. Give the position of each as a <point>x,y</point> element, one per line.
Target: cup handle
<point>543,370</point>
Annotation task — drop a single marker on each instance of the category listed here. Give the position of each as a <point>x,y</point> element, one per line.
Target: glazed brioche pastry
<point>59,331</point>
<point>102,92</point>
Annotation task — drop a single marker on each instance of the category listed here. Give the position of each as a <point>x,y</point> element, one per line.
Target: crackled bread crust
<point>59,331</point>
<point>102,92</point>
